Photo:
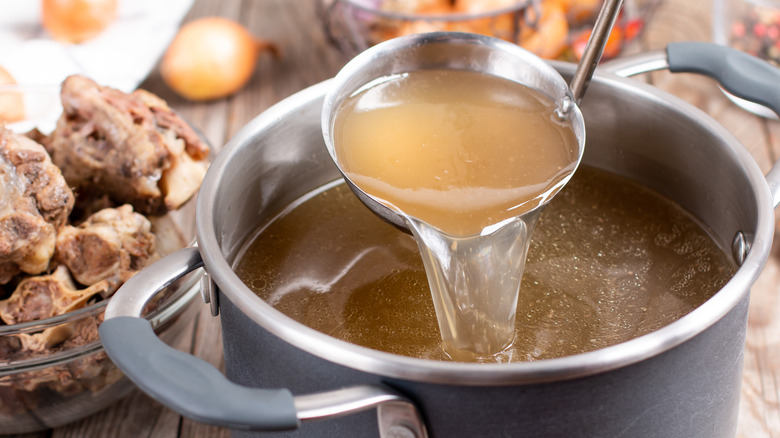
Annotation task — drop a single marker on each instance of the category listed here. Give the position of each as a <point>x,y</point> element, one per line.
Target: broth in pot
<point>610,260</point>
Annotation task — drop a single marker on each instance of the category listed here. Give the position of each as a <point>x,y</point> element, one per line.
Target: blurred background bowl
<point>552,29</point>
<point>75,378</point>
<point>752,26</point>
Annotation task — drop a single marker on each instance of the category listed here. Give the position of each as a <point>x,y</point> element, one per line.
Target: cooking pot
<point>682,380</point>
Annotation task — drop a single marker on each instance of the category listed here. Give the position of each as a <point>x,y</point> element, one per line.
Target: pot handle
<point>742,75</point>
<point>199,391</point>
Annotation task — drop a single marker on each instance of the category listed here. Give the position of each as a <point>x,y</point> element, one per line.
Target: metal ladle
<point>474,280</point>
<point>450,50</point>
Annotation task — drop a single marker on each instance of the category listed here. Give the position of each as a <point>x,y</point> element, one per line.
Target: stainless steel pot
<point>680,381</point>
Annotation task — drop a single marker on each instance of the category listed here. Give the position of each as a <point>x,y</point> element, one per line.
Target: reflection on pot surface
<point>610,260</point>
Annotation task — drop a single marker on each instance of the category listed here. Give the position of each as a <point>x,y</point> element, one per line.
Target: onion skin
<point>11,103</point>
<point>75,21</point>
<point>211,58</point>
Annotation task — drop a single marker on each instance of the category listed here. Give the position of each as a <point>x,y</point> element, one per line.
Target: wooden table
<point>308,59</point>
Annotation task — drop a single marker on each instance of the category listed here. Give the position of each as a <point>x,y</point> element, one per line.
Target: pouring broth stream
<point>466,158</point>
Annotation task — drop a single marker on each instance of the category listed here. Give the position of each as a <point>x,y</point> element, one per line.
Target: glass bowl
<point>75,378</point>
<point>552,29</point>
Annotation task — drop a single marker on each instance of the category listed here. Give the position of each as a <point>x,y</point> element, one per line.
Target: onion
<point>75,21</point>
<point>211,57</point>
<point>11,103</point>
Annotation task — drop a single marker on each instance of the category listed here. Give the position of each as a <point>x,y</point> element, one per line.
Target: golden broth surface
<point>610,260</point>
<point>458,150</point>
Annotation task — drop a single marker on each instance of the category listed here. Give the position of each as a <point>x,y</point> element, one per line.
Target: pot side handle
<point>190,385</point>
<point>197,390</point>
<point>739,73</point>
<point>180,381</point>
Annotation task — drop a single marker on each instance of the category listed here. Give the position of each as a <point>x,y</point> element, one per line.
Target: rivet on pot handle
<point>740,74</point>
<point>199,391</point>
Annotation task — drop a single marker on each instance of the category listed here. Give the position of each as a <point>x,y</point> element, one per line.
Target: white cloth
<point>120,57</point>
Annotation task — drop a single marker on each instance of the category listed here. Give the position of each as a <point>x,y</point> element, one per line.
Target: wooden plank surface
<point>307,59</point>
<point>759,414</point>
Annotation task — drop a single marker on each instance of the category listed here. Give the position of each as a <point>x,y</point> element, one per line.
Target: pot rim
<point>473,374</point>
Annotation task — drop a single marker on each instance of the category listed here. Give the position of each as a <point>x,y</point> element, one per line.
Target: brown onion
<point>75,21</point>
<point>211,57</point>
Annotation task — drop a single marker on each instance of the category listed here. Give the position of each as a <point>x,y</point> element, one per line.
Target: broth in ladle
<point>465,157</point>
<point>610,260</point>
<point>459,150</point>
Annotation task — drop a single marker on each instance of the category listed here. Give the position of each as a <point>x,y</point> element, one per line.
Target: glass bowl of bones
<point>106,192</point>
<point>552,29</point>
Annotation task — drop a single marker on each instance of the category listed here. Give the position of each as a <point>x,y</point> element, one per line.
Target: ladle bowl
<point>453,51</point>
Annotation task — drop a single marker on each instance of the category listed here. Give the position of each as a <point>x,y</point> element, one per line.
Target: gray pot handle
<point>199,391</point>
<point>737,72</point>
<point>740,74</point>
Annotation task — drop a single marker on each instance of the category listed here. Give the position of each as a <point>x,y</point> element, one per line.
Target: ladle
<point>394,56</point>
<point>474,280</point>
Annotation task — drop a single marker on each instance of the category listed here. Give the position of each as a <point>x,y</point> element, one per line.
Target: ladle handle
<point>199,391</point>
<point>740,74</point>
<point>605,21</point>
